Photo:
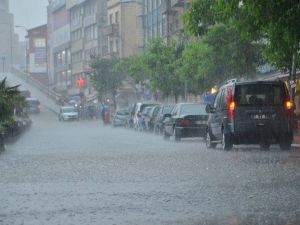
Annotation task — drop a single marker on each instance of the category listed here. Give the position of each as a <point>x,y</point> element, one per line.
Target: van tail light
<point>288,105</point>
<point>231,107</point>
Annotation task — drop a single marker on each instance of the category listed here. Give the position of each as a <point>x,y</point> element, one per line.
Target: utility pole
<point>184,42</point>
<point>3,63</point>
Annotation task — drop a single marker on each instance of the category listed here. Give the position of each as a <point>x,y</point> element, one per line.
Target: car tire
<point>265,146</point>
<point>177,136</point>
<point>208,140</point>
<point>166,135</point>
<point>226,142</point>
<point>285,143</point>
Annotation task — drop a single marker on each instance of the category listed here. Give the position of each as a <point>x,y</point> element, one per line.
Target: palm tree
<point>10,99</point>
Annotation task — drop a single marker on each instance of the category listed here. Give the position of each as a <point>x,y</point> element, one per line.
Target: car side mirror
<point>168,115</point>
<point>210,109</point>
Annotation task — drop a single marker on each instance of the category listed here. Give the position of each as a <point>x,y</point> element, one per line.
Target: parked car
<point>158,121</point>
<point>149,121</point>
<point>25,93</point>
<point>258,112</point>
<point>33,105</point>
<point>120,117</point>
<point>137,109</point>
<point>144,118</point>
<point>186,120</point>
<point>67,113</point>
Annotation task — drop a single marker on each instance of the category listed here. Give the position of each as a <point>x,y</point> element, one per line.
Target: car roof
<point>31,99</point>
<point>67,107</point>
<point>254,82</point>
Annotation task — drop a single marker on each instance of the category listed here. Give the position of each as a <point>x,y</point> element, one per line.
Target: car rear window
<point>260,94</point>
<point>33,102</point>
<point>193,109</point>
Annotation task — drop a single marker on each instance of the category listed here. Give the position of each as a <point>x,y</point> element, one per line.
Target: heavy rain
<point>149,112</point>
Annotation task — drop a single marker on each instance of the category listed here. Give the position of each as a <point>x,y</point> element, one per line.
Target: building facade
<point>59,46</point>
<point>8,39</point>
<point>172,12</point>
<point>87,20</point>
<point>36,53</point>
<point>153,20</point>
<point>124,30</point>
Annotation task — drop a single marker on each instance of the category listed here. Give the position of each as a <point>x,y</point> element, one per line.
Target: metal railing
<point>37,84</point>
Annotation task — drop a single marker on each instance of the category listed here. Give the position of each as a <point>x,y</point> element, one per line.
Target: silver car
<point>67,113</point>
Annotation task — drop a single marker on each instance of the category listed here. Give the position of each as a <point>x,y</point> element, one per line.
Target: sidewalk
<point>35,92</point>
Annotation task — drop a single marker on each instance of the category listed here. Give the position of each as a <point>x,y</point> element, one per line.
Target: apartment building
<point>172,10</point>
<point>8,39</point>
<point>37,53</point>
<point>153,20</point>
<point>59,43</point>
<point>87,20</point>
<point>124,30</point>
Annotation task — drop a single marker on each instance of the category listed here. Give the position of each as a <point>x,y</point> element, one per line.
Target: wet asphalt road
<point>82,173</point>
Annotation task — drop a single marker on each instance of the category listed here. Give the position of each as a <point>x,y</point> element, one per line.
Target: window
<point>40,43</point>
<point>111,19</point>
<point>117,17</point>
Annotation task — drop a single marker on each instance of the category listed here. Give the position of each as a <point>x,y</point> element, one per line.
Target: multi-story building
<point>36,53</point>
<point>8,39</point>
<point>124,30</point>
<point>87,20</point>
<point>59,53</point>
<point>153,19</point>
<point>172,11</point>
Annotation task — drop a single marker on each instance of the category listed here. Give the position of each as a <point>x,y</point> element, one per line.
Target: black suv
<point>258,112</point>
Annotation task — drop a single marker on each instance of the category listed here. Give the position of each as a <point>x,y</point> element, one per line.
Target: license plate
<point>261,116</point>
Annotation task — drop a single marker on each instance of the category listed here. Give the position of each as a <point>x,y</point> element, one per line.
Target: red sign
<point>81,82</point>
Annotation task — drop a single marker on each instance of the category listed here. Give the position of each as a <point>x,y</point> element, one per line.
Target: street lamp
<point>25,28</point>
<point>3,63</point>
<point>10,44</point>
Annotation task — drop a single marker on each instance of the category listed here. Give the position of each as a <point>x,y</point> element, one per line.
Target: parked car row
<point>16,127</point>
<point>256,112</point>
<point>181,120</point>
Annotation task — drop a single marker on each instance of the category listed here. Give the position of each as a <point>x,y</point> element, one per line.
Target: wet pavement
<point>85,173</point>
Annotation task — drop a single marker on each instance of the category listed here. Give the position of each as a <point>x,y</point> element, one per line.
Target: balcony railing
<point>111,30</point>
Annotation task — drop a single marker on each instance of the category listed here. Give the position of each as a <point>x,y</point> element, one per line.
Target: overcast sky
<point>28,13</point>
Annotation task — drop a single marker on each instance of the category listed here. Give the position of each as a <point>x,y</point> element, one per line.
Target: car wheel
<point>226,142</point>
<point>265,146</point>
<point>177,136</point>
<point>285,143</point>
<point>209,144</point>
<point>166,135</point>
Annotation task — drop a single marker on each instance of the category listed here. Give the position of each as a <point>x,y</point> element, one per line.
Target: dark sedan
<point>186,120</point>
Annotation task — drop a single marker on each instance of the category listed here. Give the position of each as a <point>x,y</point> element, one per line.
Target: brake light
<point>231,108</point>
<point>288,105</point>
<point>184,123</point>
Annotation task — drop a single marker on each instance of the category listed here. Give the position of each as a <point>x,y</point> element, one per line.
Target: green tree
<point>276,23</point>
<point>160,60</point>
<point>194,67</point>
<point>231,54</point>
<point>10,99</point>
<point>105,79</point>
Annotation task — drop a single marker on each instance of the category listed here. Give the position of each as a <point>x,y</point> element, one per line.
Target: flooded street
<point>87,173</point>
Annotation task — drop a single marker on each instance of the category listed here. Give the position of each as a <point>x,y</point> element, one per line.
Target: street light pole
<point>3,63</point>
<point>26,64</point>
<point>185,39</point>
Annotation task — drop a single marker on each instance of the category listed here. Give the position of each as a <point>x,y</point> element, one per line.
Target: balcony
<point>89,20</point>
<point>180,3</point>
<point>111,30</point>
<point>177,3</point>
